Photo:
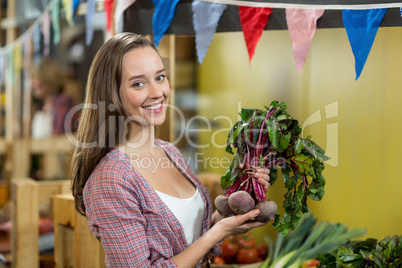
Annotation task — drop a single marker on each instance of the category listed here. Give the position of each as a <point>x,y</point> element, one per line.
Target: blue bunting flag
<point>89,21</point>
<point>361,27</point>
<point>163,16</point>
<point>75,4</point>
<point>36,36</point>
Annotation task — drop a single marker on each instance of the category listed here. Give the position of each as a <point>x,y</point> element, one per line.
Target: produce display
<point>302,246</point>
<point>271,139</point>
<point>241,249</point>
<point>369,253</point>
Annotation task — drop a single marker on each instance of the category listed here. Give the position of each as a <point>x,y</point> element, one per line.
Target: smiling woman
<point>144,88</point>
<point>143,202</point>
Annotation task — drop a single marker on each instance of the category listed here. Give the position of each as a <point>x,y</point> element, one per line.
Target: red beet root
<point>222,205</point>
<point>241,202</point>
<point>268,210</point>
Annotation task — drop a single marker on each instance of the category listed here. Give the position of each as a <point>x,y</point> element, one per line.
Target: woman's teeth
<point>154,107</point>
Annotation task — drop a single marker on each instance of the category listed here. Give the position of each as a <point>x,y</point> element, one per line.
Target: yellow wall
<point>360,126</point>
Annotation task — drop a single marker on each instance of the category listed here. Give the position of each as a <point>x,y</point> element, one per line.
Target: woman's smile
<point>154,108</point>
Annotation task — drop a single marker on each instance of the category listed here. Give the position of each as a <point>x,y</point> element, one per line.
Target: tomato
<point>247,255</point>
<point>229,249</point>
<point>245,241</point>
<point>310,263</point>
<point>218,260</point>
<point>262,250</point>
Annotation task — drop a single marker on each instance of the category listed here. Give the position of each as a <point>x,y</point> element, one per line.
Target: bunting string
<point>29,31</point>
<point>301,20</point>
<point>305,6</point>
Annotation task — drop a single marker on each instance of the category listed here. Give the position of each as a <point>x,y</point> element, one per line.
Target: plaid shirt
<point>135,226</point>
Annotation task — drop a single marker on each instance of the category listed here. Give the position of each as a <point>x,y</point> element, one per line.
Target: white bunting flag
<point>206,16</point>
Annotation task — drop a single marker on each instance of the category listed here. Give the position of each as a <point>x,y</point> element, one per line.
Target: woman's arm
<point>233,225</point>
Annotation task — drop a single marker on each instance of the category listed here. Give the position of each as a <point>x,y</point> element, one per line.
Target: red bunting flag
<point>108,11</point>
<point>253,21</point>
<point>302,24</point>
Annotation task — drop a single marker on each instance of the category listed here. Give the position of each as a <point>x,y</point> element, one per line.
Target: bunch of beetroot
<point>270,139</point>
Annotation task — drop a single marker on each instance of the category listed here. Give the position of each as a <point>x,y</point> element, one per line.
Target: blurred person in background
<point>51,102</point>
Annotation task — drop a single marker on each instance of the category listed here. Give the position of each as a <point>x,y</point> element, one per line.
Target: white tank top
<point>189,212</point>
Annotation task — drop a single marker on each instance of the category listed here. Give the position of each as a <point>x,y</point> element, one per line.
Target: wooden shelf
<point>52,144</point>
<point>2,146</point>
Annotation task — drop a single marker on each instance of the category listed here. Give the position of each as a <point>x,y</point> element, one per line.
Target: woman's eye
<point>138,84</point>
<point>161,77</point>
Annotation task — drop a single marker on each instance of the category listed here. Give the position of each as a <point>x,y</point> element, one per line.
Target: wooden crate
<point>26,196</point>
<point>75,245</point>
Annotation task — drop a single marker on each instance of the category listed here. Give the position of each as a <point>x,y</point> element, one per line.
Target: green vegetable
<point>271,139</point>
<point>307,241</point>
<point>367,253</point>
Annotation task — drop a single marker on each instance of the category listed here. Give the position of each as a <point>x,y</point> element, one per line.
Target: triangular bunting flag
<point>206,16</point>
<point>89,21</point>
<point>121,6</point>
<point>55,18</point>
<point>27,47</point>
<point>2,68</point>
<point>302,24</point>
<point>10,67</point>
<point>361,27</point>
<point>68,10</point>
<point>46,32</point>
<point>75,5</point>
<point>253,21</point>
<point>17,58</point>
<point>401,11</point>
<point>163,16</point>
<point>36,36</point>
<point>108,11</point>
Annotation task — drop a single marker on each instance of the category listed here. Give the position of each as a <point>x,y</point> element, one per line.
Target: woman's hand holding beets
<point>237,224</point>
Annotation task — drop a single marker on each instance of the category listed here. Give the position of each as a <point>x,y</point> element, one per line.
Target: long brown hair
<point>99,127</point>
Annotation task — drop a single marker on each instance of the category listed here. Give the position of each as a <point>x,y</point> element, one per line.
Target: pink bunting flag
<point>253,21</point>
<point>46,32</point>
<point>302,24</point>
<point>27,46</point>
<point>121,6</point>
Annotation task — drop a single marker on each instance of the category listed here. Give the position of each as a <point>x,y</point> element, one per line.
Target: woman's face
<point>144,89</point>
<point>39,88</point>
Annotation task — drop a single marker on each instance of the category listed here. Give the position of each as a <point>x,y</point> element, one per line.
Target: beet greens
<point>270,139</point>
